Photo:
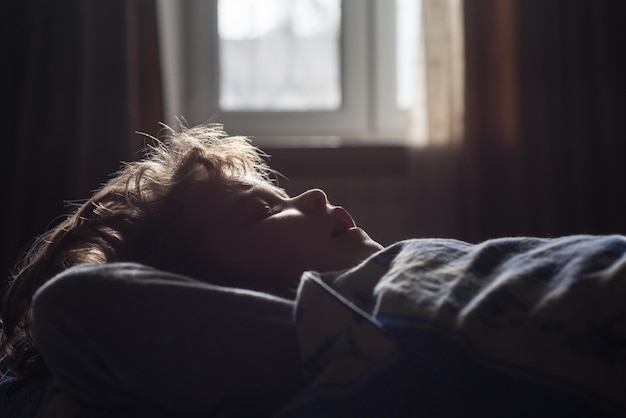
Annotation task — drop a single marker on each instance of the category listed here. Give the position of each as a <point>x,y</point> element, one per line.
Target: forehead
<point>246,186</point>
<point>221,195</point>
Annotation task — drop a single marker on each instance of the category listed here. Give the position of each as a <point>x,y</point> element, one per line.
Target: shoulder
<point>124,269</point>
<point>85,284</point>
<point>109,274</point>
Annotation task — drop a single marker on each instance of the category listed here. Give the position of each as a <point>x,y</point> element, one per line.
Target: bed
<point>512,327</point>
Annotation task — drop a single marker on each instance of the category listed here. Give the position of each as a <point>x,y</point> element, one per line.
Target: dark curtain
<point>546,118</point>
<point>79,78</point>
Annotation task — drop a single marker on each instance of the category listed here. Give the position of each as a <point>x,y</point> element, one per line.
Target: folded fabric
<point>509,327</point>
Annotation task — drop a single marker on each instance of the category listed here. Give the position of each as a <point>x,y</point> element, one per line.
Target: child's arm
<point>123,335</point>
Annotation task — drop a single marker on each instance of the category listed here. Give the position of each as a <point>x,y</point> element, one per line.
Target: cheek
<point>280,247</point>
<point>283,254</point>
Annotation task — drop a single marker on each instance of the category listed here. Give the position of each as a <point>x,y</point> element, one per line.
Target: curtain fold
<point>79,80</point>
<point>436,121</point>
<point>545,135</point>
<point>437,115</point>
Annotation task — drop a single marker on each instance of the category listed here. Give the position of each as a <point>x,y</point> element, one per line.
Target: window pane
<point>279,55</point>
<point>408,29</point>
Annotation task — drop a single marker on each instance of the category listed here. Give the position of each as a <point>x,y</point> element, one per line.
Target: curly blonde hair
<point>125,220</point>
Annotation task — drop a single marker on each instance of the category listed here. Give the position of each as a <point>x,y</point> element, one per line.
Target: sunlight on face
<point>258,237</point>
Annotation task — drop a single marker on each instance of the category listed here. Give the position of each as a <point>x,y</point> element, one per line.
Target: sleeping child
<point>192,285</point>
<point>175,284</point>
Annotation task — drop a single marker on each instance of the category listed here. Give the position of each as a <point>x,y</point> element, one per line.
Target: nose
<point>313,200</point>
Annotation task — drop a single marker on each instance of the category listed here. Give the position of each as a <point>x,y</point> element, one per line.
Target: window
<point>279,55</point>
<point>293,68</point>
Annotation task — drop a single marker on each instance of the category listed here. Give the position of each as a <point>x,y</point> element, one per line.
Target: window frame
<point>368,114</point>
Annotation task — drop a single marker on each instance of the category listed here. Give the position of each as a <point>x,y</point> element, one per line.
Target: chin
<point>370,244</point>
<point>375,245</point>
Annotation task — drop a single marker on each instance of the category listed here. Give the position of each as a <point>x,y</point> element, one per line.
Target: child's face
<point>258,237</point>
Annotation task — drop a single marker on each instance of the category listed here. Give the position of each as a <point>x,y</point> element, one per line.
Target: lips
<point>343,222</point>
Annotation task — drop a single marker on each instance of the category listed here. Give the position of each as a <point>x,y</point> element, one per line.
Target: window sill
<point>325,142</point>
<point>337,158</point>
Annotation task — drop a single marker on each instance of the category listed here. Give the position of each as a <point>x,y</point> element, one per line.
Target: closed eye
<point>272,210</point>
<point>265,211</point>
<point>262,201</point>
